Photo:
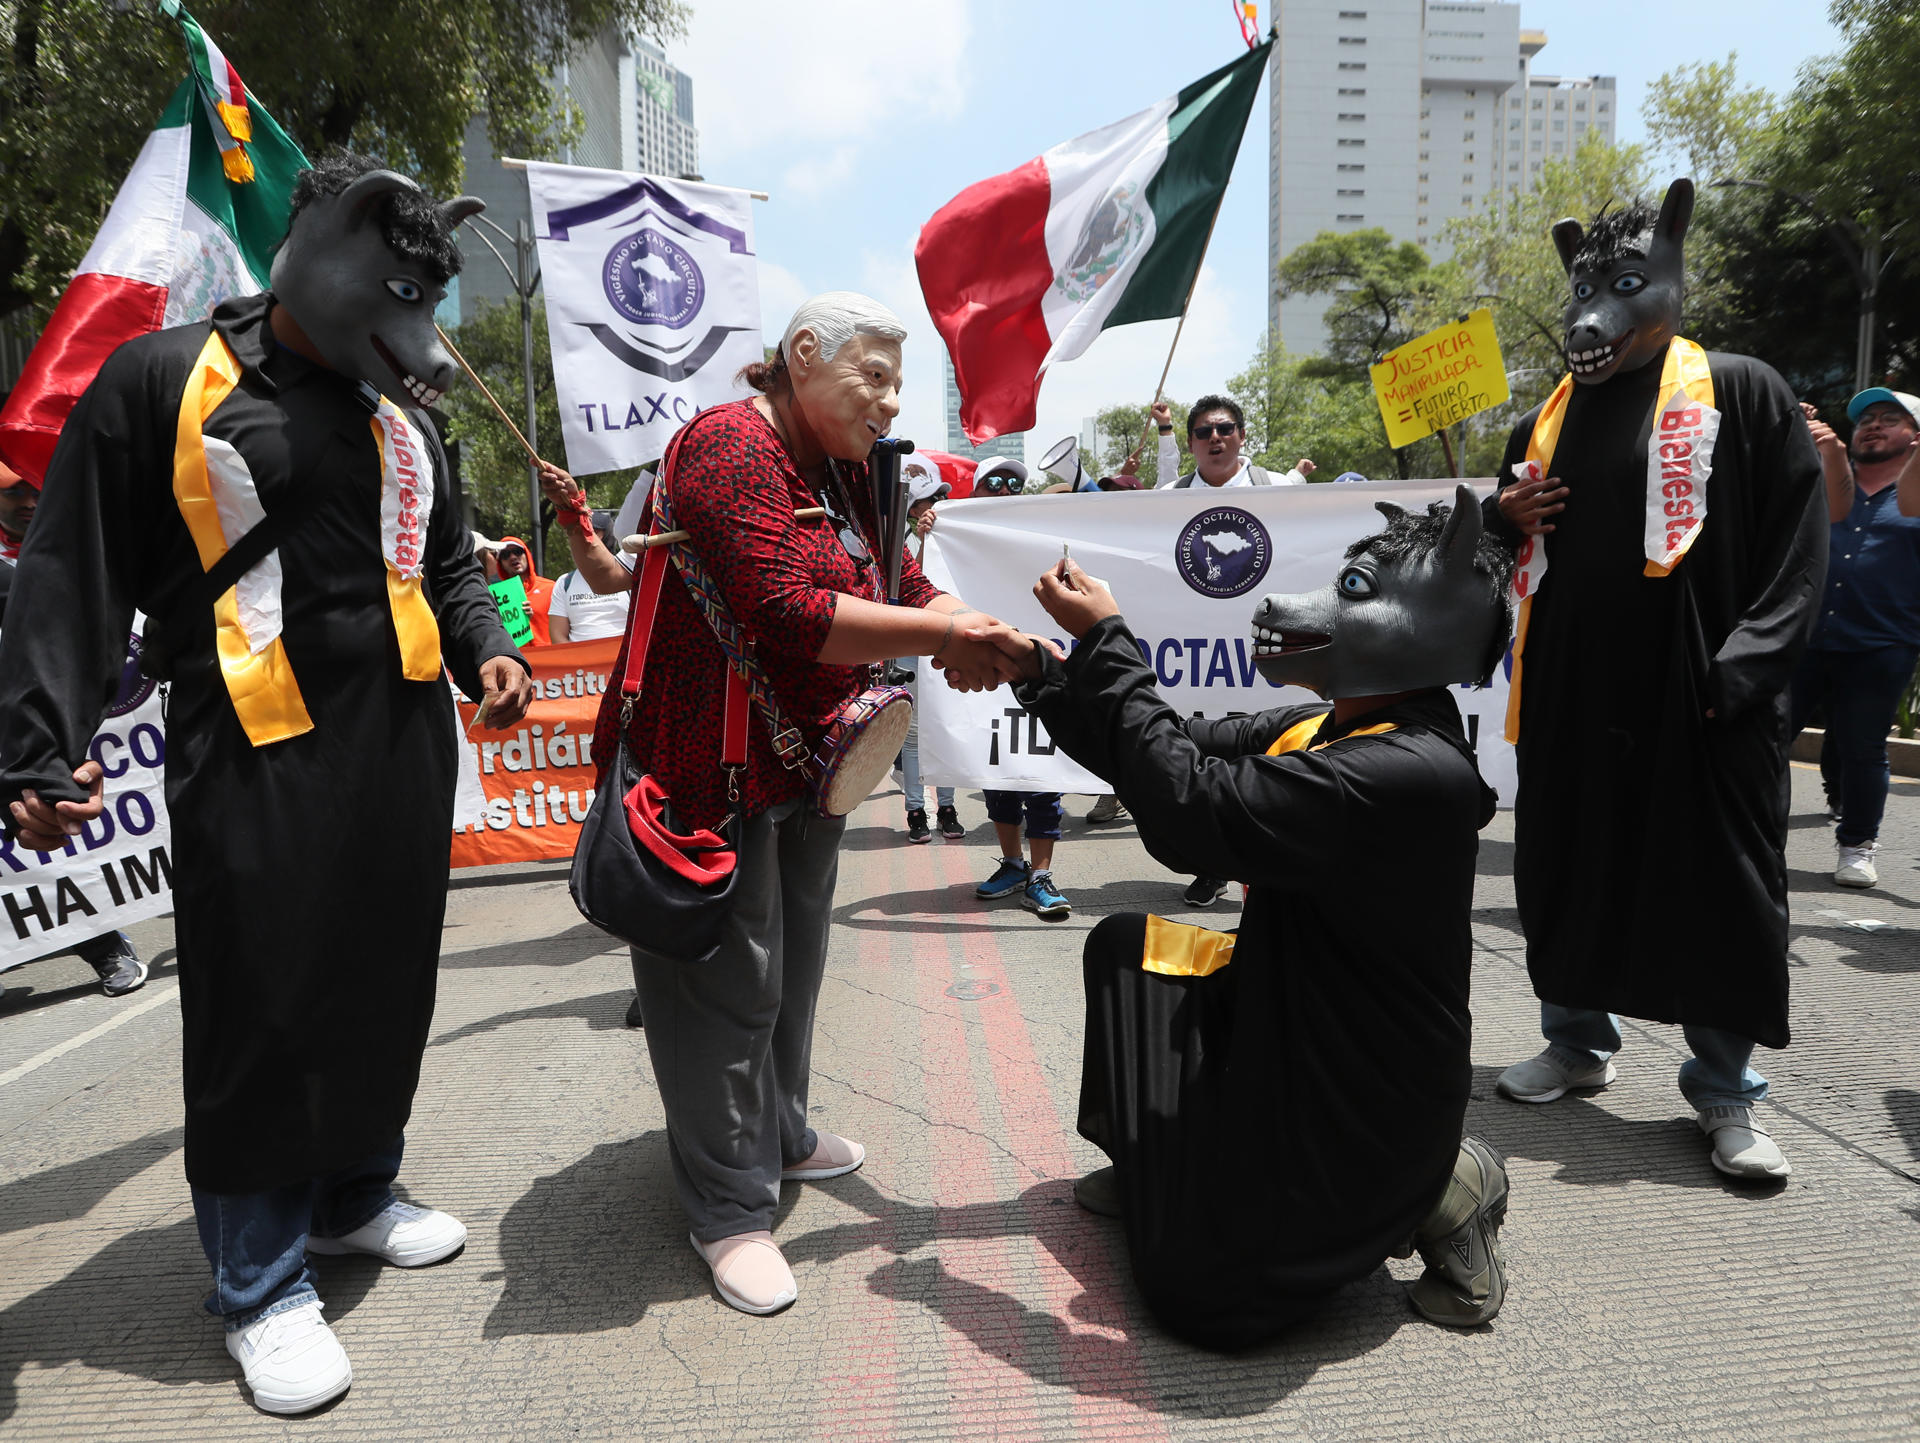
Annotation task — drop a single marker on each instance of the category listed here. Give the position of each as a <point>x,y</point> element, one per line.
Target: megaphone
<point>1063,460</point>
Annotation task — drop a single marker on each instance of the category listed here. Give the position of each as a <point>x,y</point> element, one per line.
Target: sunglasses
<point>1001,485</point>
<point>1223,430</point>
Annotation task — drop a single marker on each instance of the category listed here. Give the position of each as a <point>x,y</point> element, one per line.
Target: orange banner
<point>538,778</point>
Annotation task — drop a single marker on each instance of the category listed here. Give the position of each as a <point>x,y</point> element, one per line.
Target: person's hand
<point>509,692</point>
<point>1023,649</point>
<point>1825,439</point>
<point>45,826</point>
<point>561,489</point>
<point>1073,598</point>
<point>978,654</point>
<point>1131,466</point>
<point>1162,414</point>
<point>923,523</point>
<point>1528,504</point>
<point>1305,466</point>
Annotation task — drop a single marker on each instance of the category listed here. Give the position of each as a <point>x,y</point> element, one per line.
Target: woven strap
<point>788,743</point>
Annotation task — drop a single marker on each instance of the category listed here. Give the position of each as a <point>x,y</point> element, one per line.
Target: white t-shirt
<point>1169,467</point>
<point>589,615</point>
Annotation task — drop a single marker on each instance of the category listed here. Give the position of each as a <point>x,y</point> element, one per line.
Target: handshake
<point>982,652</point>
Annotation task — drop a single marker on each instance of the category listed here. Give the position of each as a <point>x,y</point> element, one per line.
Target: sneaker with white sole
<point>1741,1147</point>
<point>292,1361</point>
<point>1108,809</point>
<point>1553,1074</point>
<point>1856,867</point>
<point>833,1156</point>
<point>749,1272</point>
<point>1465,1281</point>
<point>402,1234</point>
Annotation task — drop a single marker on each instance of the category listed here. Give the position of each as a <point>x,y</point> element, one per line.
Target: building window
<point>1353,65</point>
<point>1423,177</point>
<point>1467,114</point>
<point>1539,104</point>
<point>1349,192</point>
<point>1353,115</point>
<point>1349,219</point>
<point>1559,105</point>
<point>1539,125</point>
<point>1345,167</point>
<point>1348,140</point>
<point>1559,125</point>
<point>1425,113</point>
<point>1353,40</point>
<point>1466,135</point>
<point>1423,197</point>
<point>1603,107</point>
<point>1426,135</point>
<point>1353,15</point>
<point>1467,156</point>
<point>1361,90</point>
<point>1535,146</point>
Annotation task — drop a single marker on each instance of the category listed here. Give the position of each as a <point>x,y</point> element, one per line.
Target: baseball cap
<point>1003,472</point>
<point>923,478</point>
<point>1905,400</point>
<point>1348,476</point>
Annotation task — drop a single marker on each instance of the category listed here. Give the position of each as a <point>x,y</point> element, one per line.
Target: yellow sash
<point>1175,949</point>
<point>1683,369</point>
<point>259,677</point>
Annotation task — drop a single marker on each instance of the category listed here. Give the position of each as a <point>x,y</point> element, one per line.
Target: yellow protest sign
<point>1439,378</point>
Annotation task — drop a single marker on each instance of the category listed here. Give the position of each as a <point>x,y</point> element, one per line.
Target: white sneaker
<point>1741,1147</point>
<point>292,1361</point>
<point>1553,1074</point>
<point>406,1236</point>
<point>1856,867</point>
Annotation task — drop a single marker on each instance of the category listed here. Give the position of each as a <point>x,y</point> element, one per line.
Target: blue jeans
<point>910,769</point>
<point>1860,690</point>
<point>257,1241</point>
<point>1043,812</point>
<point>1717,1075</point>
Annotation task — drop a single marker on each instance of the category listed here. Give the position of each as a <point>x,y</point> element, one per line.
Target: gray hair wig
<point>834,317</point>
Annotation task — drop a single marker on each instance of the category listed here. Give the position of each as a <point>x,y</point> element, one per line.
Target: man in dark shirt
<point>1867,639</point>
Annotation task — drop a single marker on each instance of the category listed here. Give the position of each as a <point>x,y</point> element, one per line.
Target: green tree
<point>1702,117</point>
<point>1120,430</point>
<point>1503,258</point>
<point>493,468</point>
<point>82,82</point>
<point>1295,407</point>
<point>1380,288</point>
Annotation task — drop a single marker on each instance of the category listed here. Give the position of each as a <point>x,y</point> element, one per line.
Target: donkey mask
<point>1625,305</point>
<point>367,310</point>
<point>1409,609</point>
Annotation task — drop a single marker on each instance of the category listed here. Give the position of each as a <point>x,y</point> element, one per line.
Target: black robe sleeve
<point>1268,821</point>
<point>1788,556</point>
<point>470,629</point>
<point>82,570</point>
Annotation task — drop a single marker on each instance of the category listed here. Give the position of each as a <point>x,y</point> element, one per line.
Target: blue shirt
<point>1873,577</point>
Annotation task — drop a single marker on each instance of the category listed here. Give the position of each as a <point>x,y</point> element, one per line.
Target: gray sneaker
<point>1553,1074</point>
<point>1741,1146</point>
<point>1108,809</point>
<point>1466,1278</point>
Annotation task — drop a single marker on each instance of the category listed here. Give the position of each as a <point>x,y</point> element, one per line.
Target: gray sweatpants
<point>732,1039</point>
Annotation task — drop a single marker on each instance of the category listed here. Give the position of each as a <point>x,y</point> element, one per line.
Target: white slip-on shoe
<point>292,1361</point>
<point>1553,1074</point>
<point>1741,1147</point>
<point>402,1234</point>
<point>1855,865</point>
<point>749,1272</point>
<point>833,1156</point>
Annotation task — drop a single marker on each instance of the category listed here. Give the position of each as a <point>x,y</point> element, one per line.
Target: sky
<point>861,120</point>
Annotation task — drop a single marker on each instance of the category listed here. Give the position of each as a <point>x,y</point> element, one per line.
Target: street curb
<point>1902,755</point>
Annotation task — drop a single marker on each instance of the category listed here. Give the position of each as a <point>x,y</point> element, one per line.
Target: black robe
<point>1279,1127</point>
<point>310,875</point>
<point>1649,841</point>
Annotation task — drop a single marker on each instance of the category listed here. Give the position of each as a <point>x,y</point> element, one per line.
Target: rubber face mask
<point>367,310</point>
<point>850,401</point>
<point>1387,624</point>
<point>1624,310</point>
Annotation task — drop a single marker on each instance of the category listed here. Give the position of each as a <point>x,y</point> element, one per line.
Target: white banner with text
<point>1188,568</point>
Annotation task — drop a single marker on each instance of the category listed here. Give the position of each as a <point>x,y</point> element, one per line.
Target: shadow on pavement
<point>71,1190</point>
<point>1903,1107</point>
<point>948,910</point>
<point>562,949</point>
<point>602,1012</point>
<point>625,1190</point>
<point>1593,1147</point>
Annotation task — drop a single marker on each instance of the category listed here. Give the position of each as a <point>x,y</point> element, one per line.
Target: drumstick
<point>634,544</point>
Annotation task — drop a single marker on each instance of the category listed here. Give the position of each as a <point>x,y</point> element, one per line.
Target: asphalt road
<point>951,1289</point>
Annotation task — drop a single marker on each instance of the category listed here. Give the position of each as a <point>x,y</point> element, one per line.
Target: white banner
<point>653,305</point>
<point>120,868</point>
<point>1188,568</point>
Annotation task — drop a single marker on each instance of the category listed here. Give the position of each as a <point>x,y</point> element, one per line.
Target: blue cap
<point>1875,394</point>
<point>1348,476</point>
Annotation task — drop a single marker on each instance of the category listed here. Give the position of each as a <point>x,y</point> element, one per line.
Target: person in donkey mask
<point>1309,1073</point>
<point>1670,533</point>
<point>266,489</point>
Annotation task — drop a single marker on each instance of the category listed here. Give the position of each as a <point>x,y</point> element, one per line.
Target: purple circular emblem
<point>1223,552</point>
<point>653,282</point>
<point>135,685</point>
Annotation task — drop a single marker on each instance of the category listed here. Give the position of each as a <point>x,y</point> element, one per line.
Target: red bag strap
<point>652,577</point>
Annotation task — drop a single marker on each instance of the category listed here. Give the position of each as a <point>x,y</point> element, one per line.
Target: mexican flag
<point>1027,268</point>
<point>194,223</point>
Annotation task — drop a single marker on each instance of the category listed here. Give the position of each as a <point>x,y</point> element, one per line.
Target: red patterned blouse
<point>734,490</point>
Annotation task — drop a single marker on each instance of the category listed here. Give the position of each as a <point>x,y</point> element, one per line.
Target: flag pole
<point>1185,306</point>
<point>499,410</point>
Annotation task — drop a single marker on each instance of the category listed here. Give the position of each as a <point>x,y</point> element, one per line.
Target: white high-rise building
<point>1402,114</point>
<point>636,114</point>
